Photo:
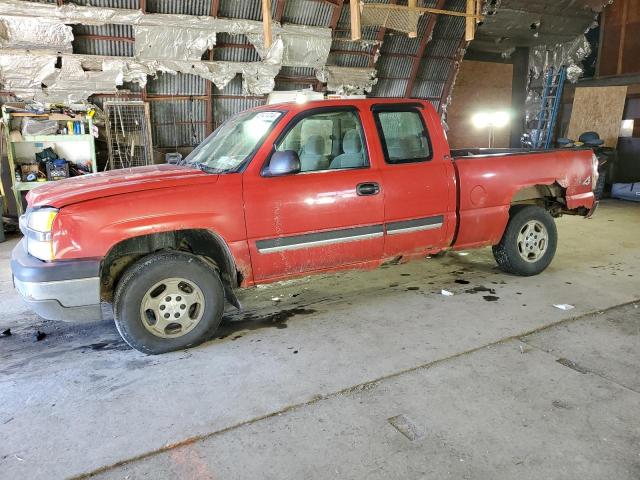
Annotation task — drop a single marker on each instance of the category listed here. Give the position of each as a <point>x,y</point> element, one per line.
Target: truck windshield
<point>229,146</point>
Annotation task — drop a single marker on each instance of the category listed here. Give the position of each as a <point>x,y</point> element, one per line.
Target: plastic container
<point>57,170</point>
<point>31,126</point>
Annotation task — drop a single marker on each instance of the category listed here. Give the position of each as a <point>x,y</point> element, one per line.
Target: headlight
<point>42,220</point>
<point>38,232</point>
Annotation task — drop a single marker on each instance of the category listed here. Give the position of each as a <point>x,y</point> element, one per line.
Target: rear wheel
<point>168,301</point>
<point>529,241</point>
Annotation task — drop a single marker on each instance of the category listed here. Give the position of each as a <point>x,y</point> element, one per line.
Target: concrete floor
<point>364,374</point>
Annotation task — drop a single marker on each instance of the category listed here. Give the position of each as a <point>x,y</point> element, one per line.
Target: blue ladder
<point>551,96</point>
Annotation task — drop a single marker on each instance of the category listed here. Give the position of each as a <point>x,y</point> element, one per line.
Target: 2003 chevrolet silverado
<point>283,191</point>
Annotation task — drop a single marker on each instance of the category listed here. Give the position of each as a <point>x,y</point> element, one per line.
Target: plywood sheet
<point>598,109</point>
<point>480,87</point>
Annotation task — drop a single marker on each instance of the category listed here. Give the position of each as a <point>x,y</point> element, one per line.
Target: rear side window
<point>404,136</point>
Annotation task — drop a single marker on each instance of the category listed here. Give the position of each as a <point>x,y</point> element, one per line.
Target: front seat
<point>352,156</point>
<point>312,156</point>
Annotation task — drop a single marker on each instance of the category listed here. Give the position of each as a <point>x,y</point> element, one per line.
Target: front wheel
<point>168,301</point>
<point>529,241</point>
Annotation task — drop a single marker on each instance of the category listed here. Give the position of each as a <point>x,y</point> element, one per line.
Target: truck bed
<point>495,152</point>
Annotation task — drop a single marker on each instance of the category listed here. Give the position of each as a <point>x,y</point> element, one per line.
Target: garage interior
<point>444,367</point>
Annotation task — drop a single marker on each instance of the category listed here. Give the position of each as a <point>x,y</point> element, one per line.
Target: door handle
<point>368,188</point>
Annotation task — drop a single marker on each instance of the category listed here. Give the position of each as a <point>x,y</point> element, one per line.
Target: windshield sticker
<point>268,116</point>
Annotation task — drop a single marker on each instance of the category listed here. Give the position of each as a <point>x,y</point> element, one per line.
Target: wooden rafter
<point>412,4</point>
<point>415,65</point>
<point>356,29</point>
<point>266,24</point>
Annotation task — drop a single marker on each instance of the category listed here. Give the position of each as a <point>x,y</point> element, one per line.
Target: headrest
<point>314,145</point>
<point>351,142</point>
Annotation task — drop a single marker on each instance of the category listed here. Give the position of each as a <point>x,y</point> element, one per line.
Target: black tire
<point>144,274</point>
<point>507,253</point>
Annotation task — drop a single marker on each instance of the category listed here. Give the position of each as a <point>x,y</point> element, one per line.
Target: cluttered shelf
<point>25,186</point>
<point>54,138</point>
<point>46,146</point>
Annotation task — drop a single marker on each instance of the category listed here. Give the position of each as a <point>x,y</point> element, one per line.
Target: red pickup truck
<point>282,191</point>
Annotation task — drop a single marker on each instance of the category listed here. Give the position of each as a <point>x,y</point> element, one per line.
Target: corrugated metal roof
<point>179,84</point>
<point>133,4</point>
<point>191,7</point>
<point>115,48</point>
<point>391,66</point>
<point>235,54</point>
<point>397,57</point>
<point>308,12</point>
<point>389,88</point>
<point>349,60</point>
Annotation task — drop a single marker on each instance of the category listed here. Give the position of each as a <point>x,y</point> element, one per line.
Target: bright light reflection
<point>498,119</point>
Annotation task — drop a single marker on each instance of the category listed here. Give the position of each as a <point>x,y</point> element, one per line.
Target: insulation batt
<point>164,43</point>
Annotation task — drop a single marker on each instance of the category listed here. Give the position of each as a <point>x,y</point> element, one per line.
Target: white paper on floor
<point>564,306</point>
<point>446,293</point>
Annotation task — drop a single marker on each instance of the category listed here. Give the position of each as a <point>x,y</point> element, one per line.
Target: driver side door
<point>325,216</point>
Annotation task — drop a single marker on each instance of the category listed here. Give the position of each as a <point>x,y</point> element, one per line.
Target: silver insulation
<point>163,43</point>
<point>347,80</point>
<point>35,34</point>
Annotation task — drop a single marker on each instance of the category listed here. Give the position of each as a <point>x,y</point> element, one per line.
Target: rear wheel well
<point>203,243</point>
<point>550,197</point>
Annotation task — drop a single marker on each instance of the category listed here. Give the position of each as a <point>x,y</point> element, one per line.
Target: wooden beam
<point>266,24</point>
<point>623,34</point>
<point>415,66</point>
<point>470,22</point>
<point>412,6</point>
<point>356,29</point>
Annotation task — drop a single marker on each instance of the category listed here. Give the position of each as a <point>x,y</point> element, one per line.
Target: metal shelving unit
<point>20,149</point>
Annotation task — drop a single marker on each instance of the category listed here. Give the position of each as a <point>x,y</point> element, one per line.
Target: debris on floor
<point>446,293</point>
<point>564,306</point>
<point>6,333</point>
<point>491,298</point>
<point>38,336</point>
<point>406,427</point>
<point>481,288</point>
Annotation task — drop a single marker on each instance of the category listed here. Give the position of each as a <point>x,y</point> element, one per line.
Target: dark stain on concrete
<point>253,322</point>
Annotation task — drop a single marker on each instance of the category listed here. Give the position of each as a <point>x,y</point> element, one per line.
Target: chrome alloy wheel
<point>533,240</point>
<point>172,308</point>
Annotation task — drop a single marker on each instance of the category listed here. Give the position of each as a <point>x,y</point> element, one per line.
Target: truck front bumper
<point>63,290</point>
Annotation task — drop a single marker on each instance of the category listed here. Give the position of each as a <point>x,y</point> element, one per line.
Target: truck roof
<point>362,102</point>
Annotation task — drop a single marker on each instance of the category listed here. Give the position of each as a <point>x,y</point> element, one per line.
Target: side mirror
<point>282,163</point>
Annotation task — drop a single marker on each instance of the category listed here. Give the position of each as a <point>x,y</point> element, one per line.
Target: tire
<point>168,283</point>
<point>520,241</point>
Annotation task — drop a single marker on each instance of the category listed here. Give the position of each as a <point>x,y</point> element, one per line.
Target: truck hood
<point>115,182</point>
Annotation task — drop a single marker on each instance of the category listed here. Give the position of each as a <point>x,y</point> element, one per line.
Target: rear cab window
<point>403,134</point>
